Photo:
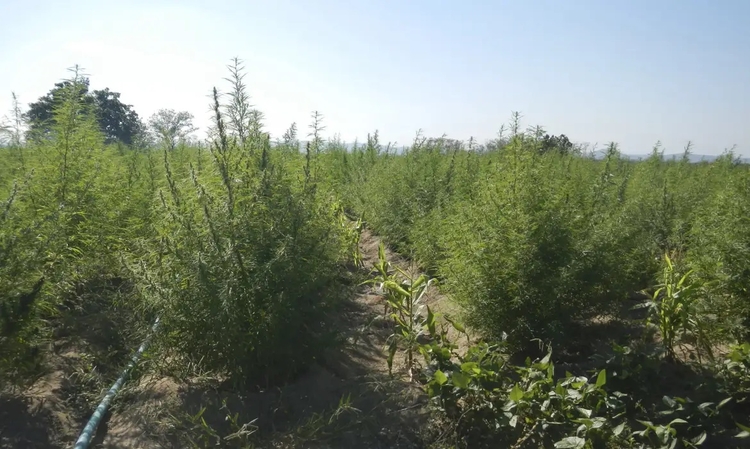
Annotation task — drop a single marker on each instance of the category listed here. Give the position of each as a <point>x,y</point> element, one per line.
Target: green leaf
<point>745,431</point>
<point>430,320</point>
<point>470,367</point>
<point>391,354</point>
<point>598,422</point>
<point>662,433</point>
<point>618,429</point>
<point>678,421</point>
<point>421,280</point>
<point>460,380</point>
<point>571,443</point>
<point>699,439</point>
<point>516,394</point>
<point>433,389</point>
<point>395,287</point>
<point>601,379</point>
<point>456,325</point>
<point>440,377</point>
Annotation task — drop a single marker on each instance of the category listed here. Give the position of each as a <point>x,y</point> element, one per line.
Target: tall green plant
<point>674,309</point>
<point>243,255</point>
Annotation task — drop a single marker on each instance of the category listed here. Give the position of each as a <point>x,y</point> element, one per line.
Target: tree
<point>171,127</point>
<point>40,114</point>
<point>559,143</point>
<point>117,121</point>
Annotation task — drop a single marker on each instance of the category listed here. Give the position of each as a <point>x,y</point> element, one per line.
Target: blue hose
<point>88,432</point>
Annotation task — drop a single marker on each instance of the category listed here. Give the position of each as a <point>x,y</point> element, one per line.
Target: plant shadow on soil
<point>311,411</point>
<point>81,359</point>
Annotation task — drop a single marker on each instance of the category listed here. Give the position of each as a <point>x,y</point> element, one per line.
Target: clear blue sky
<point>630,71</point>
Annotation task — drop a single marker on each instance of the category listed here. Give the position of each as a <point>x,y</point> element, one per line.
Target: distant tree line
<point>118,121</point>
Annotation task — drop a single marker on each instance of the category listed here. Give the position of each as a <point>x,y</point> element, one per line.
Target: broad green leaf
<point>601,379</point>
<point>571,443</point>
<point>460,380</point>
<point>662,433</point>
<point>440,377</point>
<point>516,394</point>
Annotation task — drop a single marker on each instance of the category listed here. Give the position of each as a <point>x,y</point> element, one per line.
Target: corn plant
<point>353,234</point>
<point>356,237</point>
<point>404,299</point>
<point>673,309</point>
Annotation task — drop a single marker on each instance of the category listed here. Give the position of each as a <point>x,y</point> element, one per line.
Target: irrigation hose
<point>90,430</point>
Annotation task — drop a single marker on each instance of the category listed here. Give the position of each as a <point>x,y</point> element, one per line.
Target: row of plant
<point>234,244</point>
<point>539,241</point>
<point>238,246</point>
<point>485,400</point>
<point>531,240</point>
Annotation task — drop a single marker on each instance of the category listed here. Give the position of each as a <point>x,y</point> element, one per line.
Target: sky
<point>630,71</point>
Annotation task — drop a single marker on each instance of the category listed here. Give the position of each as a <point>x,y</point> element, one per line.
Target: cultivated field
<point>516,293</point>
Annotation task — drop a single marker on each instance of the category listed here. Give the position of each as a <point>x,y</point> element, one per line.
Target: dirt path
<point>382,412</point>
<point>345,400</point>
